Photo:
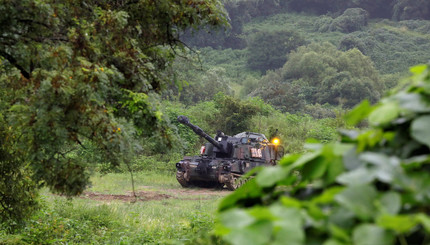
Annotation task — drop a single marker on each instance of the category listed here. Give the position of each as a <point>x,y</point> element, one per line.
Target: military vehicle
<point>225,159</point>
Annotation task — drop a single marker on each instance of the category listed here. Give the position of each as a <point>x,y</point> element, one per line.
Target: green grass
<point>118,183</point>
<point>180,219</point>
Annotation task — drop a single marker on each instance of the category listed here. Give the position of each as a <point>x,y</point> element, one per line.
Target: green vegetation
<point>370,187</point>
<point>90,93</point>
<point>80,79</point>
<point>267,49</point>
<point>368,38</point>
<point>177,218</point>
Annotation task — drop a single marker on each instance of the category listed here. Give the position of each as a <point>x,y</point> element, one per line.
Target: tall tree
<point>267,50</point>
<point>77,73</point>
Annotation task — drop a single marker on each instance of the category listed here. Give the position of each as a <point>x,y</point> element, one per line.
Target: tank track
<point>234,182</point>
<point>180,176</point>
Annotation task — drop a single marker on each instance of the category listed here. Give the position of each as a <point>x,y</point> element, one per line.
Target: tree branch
<point>14,62</point>
<point>33,22</point>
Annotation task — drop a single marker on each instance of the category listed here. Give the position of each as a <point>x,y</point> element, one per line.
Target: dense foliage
<point>388,47</point>
<point>267,50</point>
<point>319,73</point>
<point>83,75</point>
<point>371,187</point>
<point>85,85</point>
<point>62,220</point>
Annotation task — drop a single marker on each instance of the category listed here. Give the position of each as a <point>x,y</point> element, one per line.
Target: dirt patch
<point>197,192</point>
<point>129,197</point>
<point>158,194</point>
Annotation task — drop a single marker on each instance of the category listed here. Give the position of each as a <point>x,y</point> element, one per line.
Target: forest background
<point>295,66</point>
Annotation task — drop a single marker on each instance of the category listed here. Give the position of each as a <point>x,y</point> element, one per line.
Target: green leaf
<point>236,218</point>
<point>351,159</point>
<point>424,220</point>
<point>314,211</point>
<point>339,233</point>
<point>288,226</point>
<point>418,69</point>
<point>342,217</point>
<point>415,162</point>
<point>289,159</point>
<point>417,184</point>
<point>420,130</point>
<point>334,242</point>
<point>340,149</point>
<point>391,202</point>
<point>357,176</point>
<point>370,138</point>
<point>290,202</point>
<point>398,223</point>
<point>270,175</point>
<point>413,102</point>
<point>334,169</point>
<point>359,200</point>
<point>303,159</point>
<point>261,213</point>
<point>385,168</point>
<point>317,167</point>
<point>369,234</point>
<point>328,195</point>
<point>258,233</point>
<point>358,113</point>
<point>384,114</point>
<point>314,169</point>
<point>248,191</point>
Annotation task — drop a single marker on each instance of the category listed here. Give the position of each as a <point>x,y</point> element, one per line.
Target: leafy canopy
<point>85,74</point>
<point>327,75</point>
<point>267,50</point>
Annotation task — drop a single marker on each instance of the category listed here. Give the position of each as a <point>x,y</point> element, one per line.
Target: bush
<point>320,111</point>
<point>411,9</point>
<point>235,115</point>
<point>267,50</point>
<point>353,19</point>
<point>350,42</point>
<point>283,96</point>
<point>391,46</point>
<point>18,192</point>
<point>371,187</point>
<point>327,75</point>
<point>294,129</point>
<point>317,6</point>
<point>323,23</point>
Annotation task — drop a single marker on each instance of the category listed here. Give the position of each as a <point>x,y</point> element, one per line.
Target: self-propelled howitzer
<point>225,159</point>
<point>184,120</point>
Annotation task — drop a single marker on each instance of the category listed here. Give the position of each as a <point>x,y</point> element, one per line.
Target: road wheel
<point>180,176</point>
<point>234,183</point>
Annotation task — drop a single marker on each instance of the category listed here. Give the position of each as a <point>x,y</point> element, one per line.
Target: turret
<point>222,146</point>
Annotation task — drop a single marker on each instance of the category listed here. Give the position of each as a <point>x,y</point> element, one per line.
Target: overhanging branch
<point>14,62</point>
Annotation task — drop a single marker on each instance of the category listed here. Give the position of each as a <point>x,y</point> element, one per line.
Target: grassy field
<point>107,213</point>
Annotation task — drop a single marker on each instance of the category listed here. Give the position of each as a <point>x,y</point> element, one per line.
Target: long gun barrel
<point>184,120</point>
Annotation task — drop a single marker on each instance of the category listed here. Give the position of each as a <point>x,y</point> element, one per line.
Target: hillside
<point>254,56</point>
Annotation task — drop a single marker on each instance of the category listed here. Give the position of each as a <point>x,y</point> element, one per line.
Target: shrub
<point>283,96</point>
<point>320,111</point>
<point>391,46</point>
<point>18,192</point>
<point>353,19</point>
<point>350,42</point>
<point>323,23</point>
<point>411,9</point>
<point>371,187</point>
<point>327,75</point>
<point>267,50</point>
